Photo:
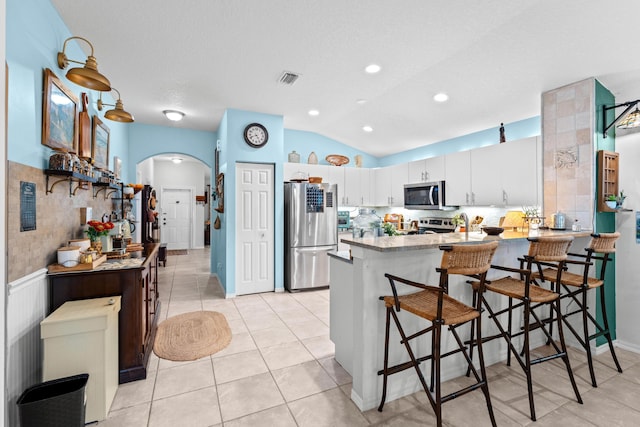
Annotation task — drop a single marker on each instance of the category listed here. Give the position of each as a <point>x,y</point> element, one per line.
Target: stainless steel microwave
<point>425,195</point>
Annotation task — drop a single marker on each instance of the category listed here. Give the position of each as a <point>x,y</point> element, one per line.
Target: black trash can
<point>55,403</point>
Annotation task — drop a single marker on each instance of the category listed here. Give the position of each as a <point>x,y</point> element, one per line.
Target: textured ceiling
<point>494,58</point>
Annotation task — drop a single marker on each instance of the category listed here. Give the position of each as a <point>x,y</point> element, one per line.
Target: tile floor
<point>279,371</point>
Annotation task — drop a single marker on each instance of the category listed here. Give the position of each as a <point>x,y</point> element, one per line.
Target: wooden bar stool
<point>552,251</point>
<point>435,305</point>
<point>575,287</point>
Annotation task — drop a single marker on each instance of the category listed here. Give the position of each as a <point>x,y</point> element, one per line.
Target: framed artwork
<point>59,114</point>
<point>100,146</point>
<point>117,167</point>
<point>220,191</point>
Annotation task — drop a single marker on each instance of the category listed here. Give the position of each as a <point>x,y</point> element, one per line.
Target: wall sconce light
<point>87,76</point>
<point>173,115</point>
<point>631,120</point>
<point>118,114</point>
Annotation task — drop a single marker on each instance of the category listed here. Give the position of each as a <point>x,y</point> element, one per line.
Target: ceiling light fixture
<point>176,160</point>
<point>440,97</point>
<point>314,112</point>
<point>173,115</point>
<point>361,101</point>
<point>372,68</point>
<point>118,114</point>
<point>631,120</point>
<point>367,128</point>
<point>87,76</point>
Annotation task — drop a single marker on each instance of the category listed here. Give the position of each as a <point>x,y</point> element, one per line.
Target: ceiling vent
<point>287,78</point>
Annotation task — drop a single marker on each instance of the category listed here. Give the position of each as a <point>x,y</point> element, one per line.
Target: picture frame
<point>100,143</point>
<point>220,191</point>
<point>117,167</point>
<point>59,114</point>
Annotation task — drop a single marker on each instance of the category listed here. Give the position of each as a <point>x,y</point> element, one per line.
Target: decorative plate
<point>337,159</point>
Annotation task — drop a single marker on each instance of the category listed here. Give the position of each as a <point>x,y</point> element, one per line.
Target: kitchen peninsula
<point>357,315</point>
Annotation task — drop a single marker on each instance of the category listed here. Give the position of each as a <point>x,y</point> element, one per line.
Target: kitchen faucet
<point>466,225</point>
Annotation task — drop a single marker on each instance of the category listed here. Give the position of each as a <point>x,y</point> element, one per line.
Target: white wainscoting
<point>27,303</point>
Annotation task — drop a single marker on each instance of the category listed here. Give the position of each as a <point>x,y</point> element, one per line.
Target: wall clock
<point>256,135</point>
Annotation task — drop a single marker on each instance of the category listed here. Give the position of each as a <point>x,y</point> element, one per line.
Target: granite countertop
<point>433,241</point>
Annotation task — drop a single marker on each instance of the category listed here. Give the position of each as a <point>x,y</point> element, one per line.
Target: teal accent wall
<point>34,35</point>
<point>513,131</point>
<point>304,143</point>
<point>605,221</point>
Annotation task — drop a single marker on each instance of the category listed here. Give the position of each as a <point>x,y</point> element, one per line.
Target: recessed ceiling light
<point>372,68</point>
<point>361,101</point>
<point>367,128</point>
<point>173,115</point>
<point>314,112</point>
<point>176,160</point>
<point>440,97</point>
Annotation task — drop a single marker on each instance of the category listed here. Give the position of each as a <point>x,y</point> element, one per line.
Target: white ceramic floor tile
<point>182,379</point>
<point>237,366</point>
<point>248,395</point>
<point>198,408</point>
<point>296,382</point>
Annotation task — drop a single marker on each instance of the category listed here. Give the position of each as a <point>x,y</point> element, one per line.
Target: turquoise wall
<point>147,141</point>
<point>235,150</point>
<point>34,35</point>
<point>513,131</point>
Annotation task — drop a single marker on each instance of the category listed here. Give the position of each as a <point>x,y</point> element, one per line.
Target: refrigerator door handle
<point>315,250</point>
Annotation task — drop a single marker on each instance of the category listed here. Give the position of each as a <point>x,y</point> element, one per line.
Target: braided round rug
<point>191,336</point>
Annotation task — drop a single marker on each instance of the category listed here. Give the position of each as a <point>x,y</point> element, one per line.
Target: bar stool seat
<point>568,278</point>
<point>432,303</point>
<point>425,305</point>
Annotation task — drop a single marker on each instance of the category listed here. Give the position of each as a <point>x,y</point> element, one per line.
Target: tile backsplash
<point>57,219</point>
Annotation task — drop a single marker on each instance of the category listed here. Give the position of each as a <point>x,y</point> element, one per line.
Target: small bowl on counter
<point>493,231</point>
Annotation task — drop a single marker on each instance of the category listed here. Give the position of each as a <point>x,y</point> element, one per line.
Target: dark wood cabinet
<point>137,320</point>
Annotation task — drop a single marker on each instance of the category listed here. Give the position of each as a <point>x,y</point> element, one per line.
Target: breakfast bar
<point>357,315</point>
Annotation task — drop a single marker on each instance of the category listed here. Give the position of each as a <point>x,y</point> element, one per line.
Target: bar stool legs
<point>433,304</point>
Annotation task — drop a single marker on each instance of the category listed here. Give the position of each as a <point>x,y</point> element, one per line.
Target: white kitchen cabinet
<point>486,175</point>
<point>498,175</point>
<point>357,187</point>
<point>334,175</point>
<point>389,185</point>
<point>426,170</point>
<point>458,179</point>
<point>521,171</point>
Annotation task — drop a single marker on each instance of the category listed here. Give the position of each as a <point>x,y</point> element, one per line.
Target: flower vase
<point>96,245</point>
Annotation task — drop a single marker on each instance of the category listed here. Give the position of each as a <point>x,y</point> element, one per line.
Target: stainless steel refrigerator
<point>310,232</point>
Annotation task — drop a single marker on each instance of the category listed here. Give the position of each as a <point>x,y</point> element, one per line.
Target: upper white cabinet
<point>389,185</point>
<point>458,179</point>
<point>502,174</point>
<point>426,170</point>
<point>357,187</point>
<point>522,172</point>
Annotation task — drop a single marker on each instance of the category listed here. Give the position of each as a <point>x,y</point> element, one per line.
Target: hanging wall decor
<point>220,192</point>
<point>100,147</point>
<point>59,114</point>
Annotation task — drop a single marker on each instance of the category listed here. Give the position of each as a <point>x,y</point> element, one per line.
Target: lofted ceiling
<point>493,58</point>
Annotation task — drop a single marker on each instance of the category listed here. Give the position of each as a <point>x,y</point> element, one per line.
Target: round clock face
<point>256,135</point>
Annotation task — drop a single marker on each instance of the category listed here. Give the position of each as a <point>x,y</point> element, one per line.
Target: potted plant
<point>611,201</point>
<point>95,231</point>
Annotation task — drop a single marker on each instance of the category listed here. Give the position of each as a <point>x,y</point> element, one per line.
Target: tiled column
<point>568,126</point>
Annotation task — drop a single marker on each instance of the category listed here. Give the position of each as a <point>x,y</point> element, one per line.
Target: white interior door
<point>176,217</point>
<point>254,228</point>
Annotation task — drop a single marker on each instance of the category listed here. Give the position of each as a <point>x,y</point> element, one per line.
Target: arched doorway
<point>183,190</point>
